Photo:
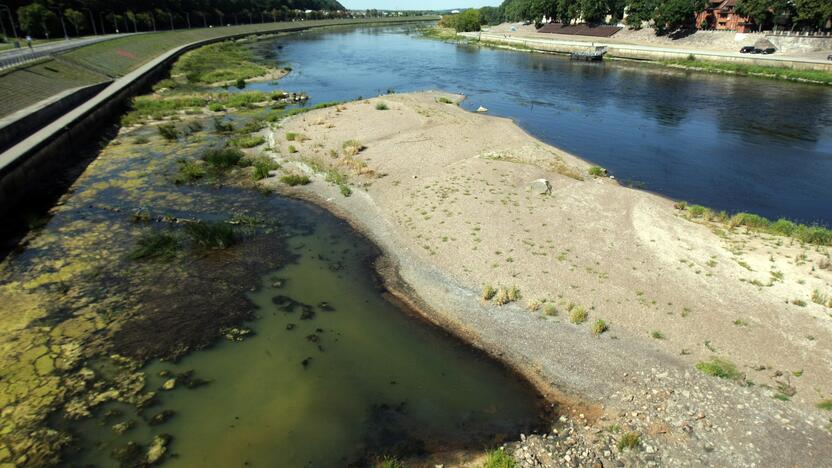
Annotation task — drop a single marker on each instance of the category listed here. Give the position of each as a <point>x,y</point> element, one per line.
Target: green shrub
<point>499,459</point>
<point>291,136</point>
<point>749,220</point>
<point>381,106</point>
<point>578,315</point>
<point>224,158</point>
<point>345,190</point>
<point>784,227</point>
<point>597,171</point>
<point>168,132</point>
<point>656,334</point>
<point>241,83</point>
<point>211,235</point>
<point>262,166</point>
<point>488,292</point>
<point>599,327</point>
<point>825,405</point>
<point>295,179</point>
<point>629,441</point>
<point>140,140</point>
<point>160,245</point>
<point>292,149</point>
<point>165,84</point>
<point>718,367</point>
<point>249,141</point>
<point>216,107</point>
<point>444,100</point>
<point>221,126</point>
<point>550,310</point>
<point>189,171</point>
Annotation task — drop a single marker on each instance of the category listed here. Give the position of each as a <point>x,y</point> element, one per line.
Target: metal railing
<point>16,57</point>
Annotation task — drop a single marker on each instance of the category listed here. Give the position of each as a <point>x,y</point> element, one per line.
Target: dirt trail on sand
<point>446,194</point>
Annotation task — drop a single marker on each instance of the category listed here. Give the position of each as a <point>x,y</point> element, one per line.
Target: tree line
<point>50,18</point>
<point>666,16</point>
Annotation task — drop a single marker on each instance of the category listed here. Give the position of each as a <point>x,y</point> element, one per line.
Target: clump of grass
<point>578,315</point>
<point>194,126</point>
<point>224,158</point>
<point>819,298</point>
<point>550,309</point>
<point>249,141</point>
<point>292,149</point>
<point>657,335</point>
<point>189,171</point>
<point>215,236</point>
<point>262,167</point>
<point>216,107</point>
<point>159,245</point>
<point>717,367</point>
<point>352,147</point>
<point>825,405</point>
<point>799,302</point>
<point>499,459</point>
<point>295,179</point>
<point>168,132</point>
<point>533,305</point>
<point>291,136</point>
<point>506,295</point>
<point>599,327</point>
<point>389,462</point>
<point>221,126</point>
<point>597,171</point>
<point>241,83</point>
<point>444,100</point>
<point>382,106</point>
<point>140,140</point>
<point>345,190</point>
<point>488,292</point>
<point>629,441</point>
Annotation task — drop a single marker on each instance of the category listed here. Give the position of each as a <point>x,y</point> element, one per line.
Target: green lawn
<point>781,73</point>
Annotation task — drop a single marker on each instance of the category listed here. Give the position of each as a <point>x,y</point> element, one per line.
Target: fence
<point>16,57</point>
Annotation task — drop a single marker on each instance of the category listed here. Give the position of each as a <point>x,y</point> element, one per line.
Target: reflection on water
<point>733,143</point>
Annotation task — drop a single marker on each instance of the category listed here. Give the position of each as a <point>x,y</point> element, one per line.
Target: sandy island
<point>449,197</point>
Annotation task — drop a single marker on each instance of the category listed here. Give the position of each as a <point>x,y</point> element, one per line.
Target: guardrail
<point>17,57</point>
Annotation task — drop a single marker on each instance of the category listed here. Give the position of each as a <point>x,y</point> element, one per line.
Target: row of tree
<point>665,15</point>
<point>45,18</point>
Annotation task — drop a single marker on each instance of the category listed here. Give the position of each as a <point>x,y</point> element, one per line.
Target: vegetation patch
<point>578,315</point>
<point>262,167</point>
<point>382,106</point>
<point>816,235</point>
<point>597,171</point>
<point>168,132</point>
<point>780,73</point>
<point>223,159</point>
<point>506,295</point>
<point>599,327</point>
<point>825,405</point>
<point>499,459</point>
<point>295,179</point>
<point>717,367</point>
<point>215,236</point>
<point>249,141</point>
<point>488,292</point>
<point>155,245</point>
<point>223,62</point>
<point>189,171</point>
<point>629,441</point>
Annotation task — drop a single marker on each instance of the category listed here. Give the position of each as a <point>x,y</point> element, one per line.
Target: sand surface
<point>446,194</point>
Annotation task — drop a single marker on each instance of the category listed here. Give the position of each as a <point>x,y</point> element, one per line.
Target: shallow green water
<point>377,381</point>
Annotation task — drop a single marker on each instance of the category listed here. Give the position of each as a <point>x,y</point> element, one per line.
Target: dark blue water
<point>731,143</point>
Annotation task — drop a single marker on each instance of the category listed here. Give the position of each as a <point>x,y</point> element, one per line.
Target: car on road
<point>747,50</point>
<point>769,50</point>
<point>829,57</point>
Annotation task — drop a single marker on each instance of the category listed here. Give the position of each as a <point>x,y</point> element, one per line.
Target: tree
<point>813,13</point>
<point>673,15</point>
<point>593,11</point>
<point>76,19</point>
<point>567,10</point>
<point>640,11</point>
<point>34,16</point>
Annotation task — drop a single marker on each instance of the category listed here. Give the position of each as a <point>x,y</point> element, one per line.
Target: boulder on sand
<point>541,186</point>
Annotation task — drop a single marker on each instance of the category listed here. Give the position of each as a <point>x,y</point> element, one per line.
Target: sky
<point>416,4</point>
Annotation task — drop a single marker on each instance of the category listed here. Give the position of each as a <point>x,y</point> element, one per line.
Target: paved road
<point>12,57</point>
<point>600,42</point>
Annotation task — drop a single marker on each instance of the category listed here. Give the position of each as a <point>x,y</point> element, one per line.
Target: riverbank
<point>610,296</point>
<point>787,68</point>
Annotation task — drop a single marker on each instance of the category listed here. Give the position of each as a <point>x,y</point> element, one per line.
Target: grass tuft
<point>488,292</point>
<point>189,171</point>
<point>825,405</point>
<point>717,367</point>
<point>629,441</point>
<point>169,132</point>
<point>224,158</point>
<point>499,459</point>
<point>249,141</point>
<point>599,327</point>
<point>578,315</point>
<point>382,106</point>
<point>159,245</point>
<point>295,179</point>
<point>215,236</point>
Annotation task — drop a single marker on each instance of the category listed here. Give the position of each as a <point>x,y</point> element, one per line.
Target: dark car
<point>769,50</point>
<point>829,57</point>
<point>747,50</point>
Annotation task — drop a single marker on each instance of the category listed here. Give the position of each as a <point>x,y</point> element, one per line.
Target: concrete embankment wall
<point>19,125</point>
<point>28,169</point>
<point>801,43</point>
<point>645,52</point>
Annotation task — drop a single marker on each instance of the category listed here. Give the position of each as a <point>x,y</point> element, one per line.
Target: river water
<point>731,143</point>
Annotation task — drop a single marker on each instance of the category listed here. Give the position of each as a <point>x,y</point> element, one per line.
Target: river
<point>730,143</point>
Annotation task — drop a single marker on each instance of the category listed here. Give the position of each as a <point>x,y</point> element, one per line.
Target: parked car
<point>769,50</point>
<point>747,50</point>
<point>829,57</point>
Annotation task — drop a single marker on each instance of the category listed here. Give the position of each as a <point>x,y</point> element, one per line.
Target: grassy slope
<point>23,87</point>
